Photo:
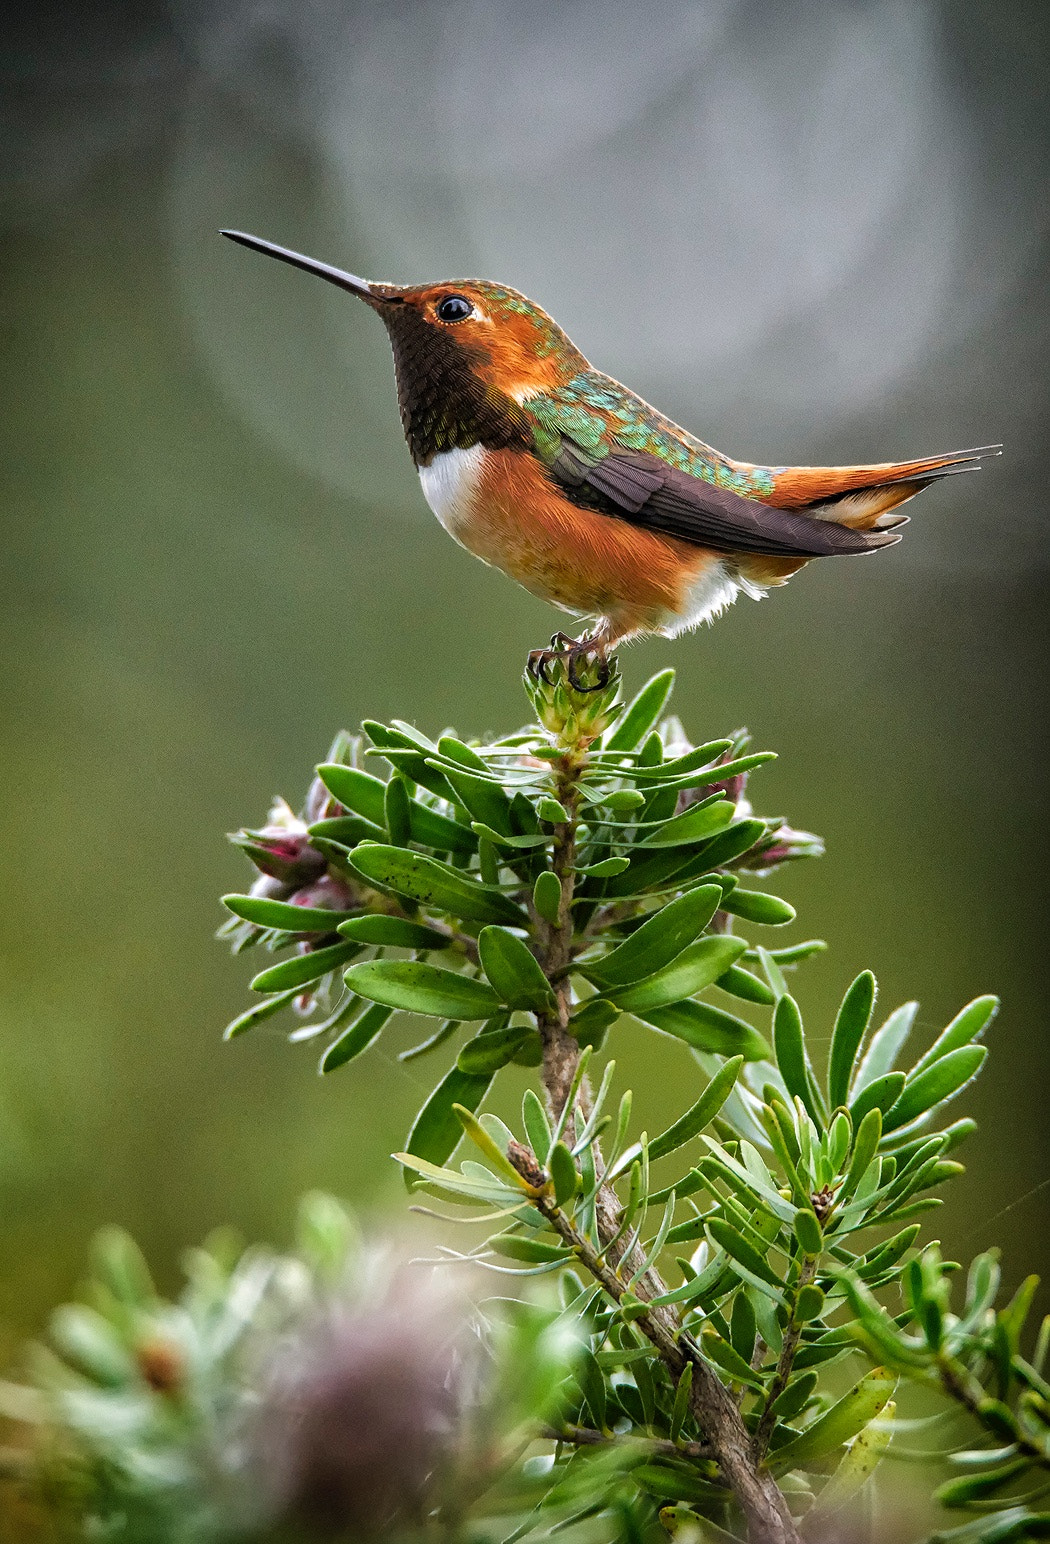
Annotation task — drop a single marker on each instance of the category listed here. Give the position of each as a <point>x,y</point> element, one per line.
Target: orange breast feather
<point>578,559</point>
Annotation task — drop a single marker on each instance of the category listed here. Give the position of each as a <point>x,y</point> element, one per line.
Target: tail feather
<point>819,489</point>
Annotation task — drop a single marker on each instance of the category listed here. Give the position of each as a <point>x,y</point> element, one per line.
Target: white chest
<point>450,485</point>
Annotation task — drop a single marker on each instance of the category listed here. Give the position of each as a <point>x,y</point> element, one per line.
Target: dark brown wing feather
<point>643,490</point>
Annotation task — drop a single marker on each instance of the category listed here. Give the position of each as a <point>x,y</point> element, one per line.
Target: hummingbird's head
<point>464,350</point>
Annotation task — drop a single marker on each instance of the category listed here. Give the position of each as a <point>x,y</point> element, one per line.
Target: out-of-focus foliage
<point>585,868</point>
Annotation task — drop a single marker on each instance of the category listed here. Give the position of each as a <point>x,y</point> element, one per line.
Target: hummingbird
<point>555,473</point>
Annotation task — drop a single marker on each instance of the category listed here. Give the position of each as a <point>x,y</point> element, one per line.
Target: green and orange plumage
<point>581,491</point>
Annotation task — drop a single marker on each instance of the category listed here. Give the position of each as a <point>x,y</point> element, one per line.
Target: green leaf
<point>496,839</point>
<point>355,790</point>
<point>701,1114</point>
<point>355,1039</point>
<point>416,987</point>
<point>793,1400</point>
<point>514,971</point>
<point>723,1355</point>
<point>304,968</point>
<point>91,1343</point>
<point>693,969</point>
<point>809,1303</point>
<point>977,1487</point>
<point>546,896</point>
<point>641,713</point>
<point>941,1081</point>
<point>732,843</point>
<point>790,1049</point>
<point>882,1094</point>
<point>867,1136</point>
<point>739,982</point>
<point>659,940</point>
<point>738,1249</point>
<point>432,883</point>
<point>592,1019</point>
<point>487,1144</point>
<point>608,868</point>
<point>282,915</point>
<point>808,1231</point>
<point>707,1028</point>
<point>695,825</point>
<point>858,1464</point>
<point>853,1018</point>
<point>537,1126</point>
<point>563,1172</point>
<point>495,1044</point>
<point>885,1047</point>
<point>758,906</point>
<point>392,933</point>
<point>867,1399</point>
<point>396,812</point>
<point>366,794</point>
<point>437,1130</point>
<point>482,798</point>
<point>967,1025</point>
<point>530,1251</point>
<point>548,808</point>
<point>252,1016</point>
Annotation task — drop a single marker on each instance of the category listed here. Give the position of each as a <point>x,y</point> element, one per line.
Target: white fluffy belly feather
<point>450,483</point>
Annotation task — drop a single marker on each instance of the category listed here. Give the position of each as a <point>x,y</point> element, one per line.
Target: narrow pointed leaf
<point>758,906</point>
<point>513,970</point>
<point>858,1464</point>
<point>252,1016</point>
<point>531,1251</point>
<point>941,1081</point>
<point>356,1038</point>
<point>642,713</point>
<point>707,1028</point>
<point>693,969</point>
<point>850,1025</point>
<point>739,982</point>
<point>392,933</point>
<point>867,1399</point>
<point>416,987</point>
<point>696,825</point>
<point>967,1025</point>
<point>659,940</point>
<point>702,1113</point>
<point>282,915</point>
<point>304,968</point>
<point>437,1130</point>
<point>432,883</point>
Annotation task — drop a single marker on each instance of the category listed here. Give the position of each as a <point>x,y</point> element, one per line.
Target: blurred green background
<point>810,233</point>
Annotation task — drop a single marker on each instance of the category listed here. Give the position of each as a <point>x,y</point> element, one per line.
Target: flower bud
<point>782,845</point>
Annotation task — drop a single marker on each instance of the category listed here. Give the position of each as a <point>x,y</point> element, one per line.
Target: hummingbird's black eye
<point>454,308</point>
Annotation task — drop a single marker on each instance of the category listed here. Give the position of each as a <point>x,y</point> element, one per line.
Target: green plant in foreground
<point>742,1298</point>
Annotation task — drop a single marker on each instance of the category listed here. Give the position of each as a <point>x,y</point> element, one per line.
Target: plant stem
<point>792,1335</point>
<point>712,1405</point>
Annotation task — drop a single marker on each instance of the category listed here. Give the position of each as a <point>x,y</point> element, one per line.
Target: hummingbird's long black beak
<point>347,281</point>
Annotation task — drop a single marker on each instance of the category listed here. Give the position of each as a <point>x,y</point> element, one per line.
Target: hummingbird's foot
<point>576,654</point>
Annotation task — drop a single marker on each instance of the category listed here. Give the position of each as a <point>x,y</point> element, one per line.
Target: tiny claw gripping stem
<point>580,654</point>
<point>576,654</point>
